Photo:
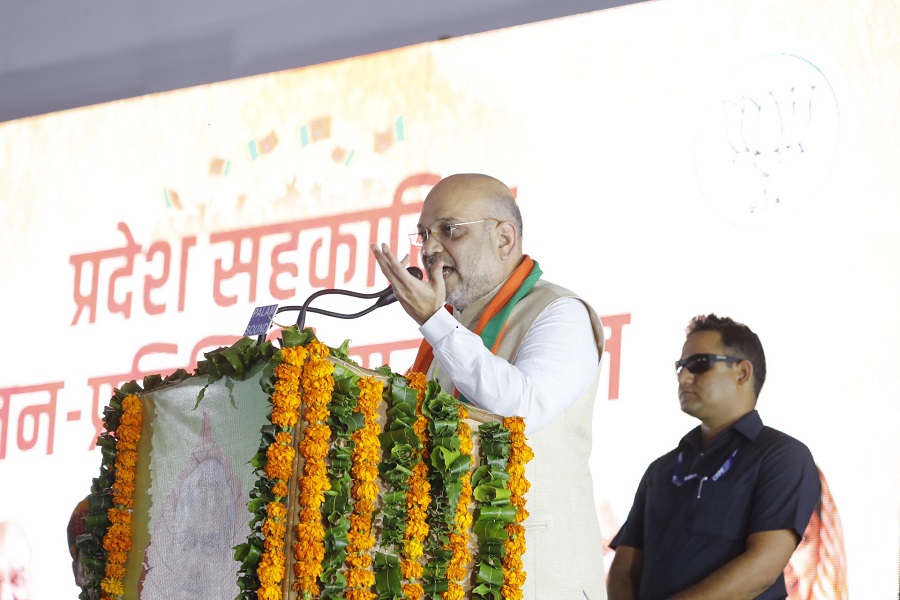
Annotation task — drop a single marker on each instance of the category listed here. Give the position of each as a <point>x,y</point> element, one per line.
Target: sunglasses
<point>701,363</point>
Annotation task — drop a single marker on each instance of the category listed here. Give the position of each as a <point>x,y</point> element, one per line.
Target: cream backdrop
<point>670,158</point>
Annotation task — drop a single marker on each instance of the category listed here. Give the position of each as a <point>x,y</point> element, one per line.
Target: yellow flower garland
<point>459,537</point>
<point>418,498</point>
<point>519,454</point>
<point>364,460</point>
<point>117,541</point>
<point>315,378</point>
<point>309,549</point>
<point>279,461</point>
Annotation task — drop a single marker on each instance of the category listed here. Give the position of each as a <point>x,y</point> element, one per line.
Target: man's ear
<point>744,373</point>
<point>507,239</point>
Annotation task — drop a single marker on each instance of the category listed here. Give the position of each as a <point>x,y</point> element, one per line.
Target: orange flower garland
<point>309,549</point>
<point>459,537</point>
<point>364,460</point>
<point>117,540</point>
<point>519,454</point>
<point>309,372</point>
<point>418,498</point>
<point>279,460</point>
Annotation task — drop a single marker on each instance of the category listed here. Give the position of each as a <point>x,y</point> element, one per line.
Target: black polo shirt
<point>692,516</point>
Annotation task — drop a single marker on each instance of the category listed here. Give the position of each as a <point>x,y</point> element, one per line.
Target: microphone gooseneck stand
<point>384,298</point>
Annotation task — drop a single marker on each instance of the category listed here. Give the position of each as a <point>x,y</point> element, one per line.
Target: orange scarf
<point>426,353</point>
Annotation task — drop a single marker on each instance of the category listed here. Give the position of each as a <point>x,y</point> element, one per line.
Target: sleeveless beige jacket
<point>564,556</point>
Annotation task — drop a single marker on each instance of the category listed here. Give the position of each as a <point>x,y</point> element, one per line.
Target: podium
<point>291,473</point>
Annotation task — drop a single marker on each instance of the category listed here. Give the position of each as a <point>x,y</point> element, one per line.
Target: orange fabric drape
<point>425,355</point>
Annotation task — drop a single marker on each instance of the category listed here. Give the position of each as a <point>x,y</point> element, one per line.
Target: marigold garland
<point>418,498</point>
<point>339,502</point>
<point>459,538</point>
<point>279,460</point>
<point>314,378</point>
<point>117,540</point>
<point>364,459</point>
<point>309,549</point>
<point>519,454</point>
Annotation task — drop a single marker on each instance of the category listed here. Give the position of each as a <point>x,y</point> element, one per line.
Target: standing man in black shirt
<point>720,515</point>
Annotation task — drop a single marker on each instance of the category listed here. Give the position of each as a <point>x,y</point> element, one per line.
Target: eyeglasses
<point>701,363</point>
<point>443,232</point>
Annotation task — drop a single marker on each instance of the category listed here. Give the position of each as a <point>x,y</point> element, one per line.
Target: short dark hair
<point>737,338</point>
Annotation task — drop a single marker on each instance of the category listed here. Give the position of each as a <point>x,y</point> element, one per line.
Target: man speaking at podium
<point>507,341</point>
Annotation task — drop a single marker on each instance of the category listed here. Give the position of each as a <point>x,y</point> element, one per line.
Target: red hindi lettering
<point>249,268</point>
<point>283,268</point>
<point>25,440</point>
<point>398,208</point>
<point>89,301</point>
<point>186,244</point>
<point>337,239</point>
<point>613,347</point>
<point>151,283</point>
<point>6,399</point>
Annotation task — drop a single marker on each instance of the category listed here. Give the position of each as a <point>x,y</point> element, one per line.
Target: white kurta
<point>554,366</point>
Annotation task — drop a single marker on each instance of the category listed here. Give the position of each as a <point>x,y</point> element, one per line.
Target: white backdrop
<point>670,158</point>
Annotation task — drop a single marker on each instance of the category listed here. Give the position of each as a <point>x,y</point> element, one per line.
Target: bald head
<point>491,195</point>
<point>483,243</point>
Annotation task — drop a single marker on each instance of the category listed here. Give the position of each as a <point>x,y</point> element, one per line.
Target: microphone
<point>389,297</point>
<point>384,297</point>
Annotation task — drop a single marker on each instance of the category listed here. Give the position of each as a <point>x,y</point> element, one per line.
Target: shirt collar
<point>749,426</point>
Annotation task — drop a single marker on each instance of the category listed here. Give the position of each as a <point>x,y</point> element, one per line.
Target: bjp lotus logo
<point>768,138</point>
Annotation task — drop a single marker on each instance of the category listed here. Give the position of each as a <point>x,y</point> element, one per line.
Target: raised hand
<point>420,299</point>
